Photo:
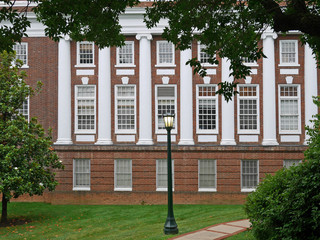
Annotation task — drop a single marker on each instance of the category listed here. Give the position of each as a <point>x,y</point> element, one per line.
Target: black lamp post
<point>170,227</point>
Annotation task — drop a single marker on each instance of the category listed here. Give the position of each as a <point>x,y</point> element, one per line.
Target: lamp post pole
<point>170,226</point>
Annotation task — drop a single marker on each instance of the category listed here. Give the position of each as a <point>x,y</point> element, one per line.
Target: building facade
<point>105,107</point>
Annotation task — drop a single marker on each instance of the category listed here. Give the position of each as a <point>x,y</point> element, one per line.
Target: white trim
<point>299,108</point>
<point>78,55</point>
<point>133,55</point>
<point>164,189</point>
<point>201,131</point>
<point>175,129</point>
<point>173,55</point>
<point>75,188</point>
<point>76,130</point>
<point>258,172</point>
<point>296,53</point>
<point>115,176</point>
<point>211,189</point>
<point>249,131</point>
<point>132,131</point>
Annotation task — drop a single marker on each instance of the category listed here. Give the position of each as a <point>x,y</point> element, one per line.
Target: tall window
<point>207,175</point>
<point>290,163</point>
<point>207,104</point>
<point>81,174</point>
<point>21,50</point>
<point>123,175</point>
<point>165,53</point>
<point>125,54</point>
<point>85,52</point>
<point>165,103</point>
<point>125,108</point>
<point>85,109</point>
<point>203,57</point>
<point>289,108</point>
<point>162,175</point>
<point>24,110</point>
<point>289,52</point>
<point>249,175</point>
<point>248,109</point>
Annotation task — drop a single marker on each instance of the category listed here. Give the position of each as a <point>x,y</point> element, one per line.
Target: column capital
<point>148,36</point>
<point>269,33</point>
<point>66,37</point>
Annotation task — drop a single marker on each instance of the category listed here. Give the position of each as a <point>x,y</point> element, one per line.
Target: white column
<point>269,89</point>
<point>104,98</point>
<point>145,90</point>
<point>186,109</point>
<point>227,118</point>
<point>310,86</point>
<point>64,92</point>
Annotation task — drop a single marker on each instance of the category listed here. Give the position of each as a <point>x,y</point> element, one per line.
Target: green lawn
<point>45,221</point>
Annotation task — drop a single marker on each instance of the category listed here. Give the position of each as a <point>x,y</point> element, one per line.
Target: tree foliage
<point>287,205</point>
<point>27,159</point>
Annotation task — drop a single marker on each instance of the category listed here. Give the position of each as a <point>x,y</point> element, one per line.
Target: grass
<point>45,221</point>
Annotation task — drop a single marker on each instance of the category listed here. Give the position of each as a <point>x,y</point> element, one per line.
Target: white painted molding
<point>165,80</point>
<point>165,72</point>
<point>163,138</point>
<point>248,80</point>
<point>290,138</point>
<point>120,72</point>
<point>289,71</point>
<point>85,80</point>
<point>125,80</point>
<point>207,138</point>
<point>289,79</point>
<point>206,80</point>
<point>211,71</point>
<point>145,35</point>
<point>126,138</point>
<point>85,138</point>
<point>248,138</point>
<point>86,72</point>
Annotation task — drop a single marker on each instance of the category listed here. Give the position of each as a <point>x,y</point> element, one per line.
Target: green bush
<point>287,205</point>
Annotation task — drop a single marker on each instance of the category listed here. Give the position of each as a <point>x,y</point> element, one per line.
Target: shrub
<point>287,205</point>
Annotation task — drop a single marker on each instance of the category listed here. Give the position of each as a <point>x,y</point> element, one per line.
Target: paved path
<point>216,232</point>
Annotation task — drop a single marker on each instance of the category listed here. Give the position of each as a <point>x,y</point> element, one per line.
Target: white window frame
<point>292,162</point>
<point>206,64</point>
<point>206,189</point>
<point>298,131</point>
<point>210,131</point>
<point>117,130</point>
<point>250,64</point>
<point>20,110</point>
<point>76,109</point>
<point>296,63</point>
<point>118,59</point>
<point>25,65</point>
<point>245,189</point>
<point>81,188</point>
<point>175,128</point>
<point>164,189</point>
<point>129,188</point>
<point>158,58</point>
<point>78,55</point>
<point>257,98</point>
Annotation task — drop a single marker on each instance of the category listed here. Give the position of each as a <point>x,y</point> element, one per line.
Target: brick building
<point>105,107</point>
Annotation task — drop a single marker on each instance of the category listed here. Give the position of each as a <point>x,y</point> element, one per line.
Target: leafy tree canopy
<point>27,159</point>
<point>230,28</point>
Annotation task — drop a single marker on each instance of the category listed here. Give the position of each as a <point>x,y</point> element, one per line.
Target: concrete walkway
<point>216,232</point>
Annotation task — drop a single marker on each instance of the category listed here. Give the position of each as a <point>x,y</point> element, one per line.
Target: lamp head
<point>168,119</point>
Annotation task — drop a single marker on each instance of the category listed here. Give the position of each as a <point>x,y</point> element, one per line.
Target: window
<point>249,62</point>
<point>125,108</point>
<point>289,52</point>
<point>162,175</point>
<point>248,109</point>
<point>207,175</point>
<point>123,175</point>
<point>125,54</point>
<point>81,174</point>
<point>85,53</point>
<point>165,53</point>
<point>85,109</point>
<point>207,104</point>
<point>290,163</point>
<point>165,103</point>
<point>289,109</point>
<point>24,110</point>
<point>249,175</point>
<point>21,52</point>
<point>203,57</point>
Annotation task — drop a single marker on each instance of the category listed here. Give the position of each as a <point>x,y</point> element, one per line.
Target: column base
<point>104,142</point>
<point>228,142</point>
<point>186,142</point>
<point>63,141</point>
<point>145,142</point>
<point>270,142</point>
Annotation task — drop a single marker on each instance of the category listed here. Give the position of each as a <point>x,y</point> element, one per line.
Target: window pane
<point>21,52</point>
<point>165,104</point>
<point>82,173</point>
<point>125,53</point>
<point>165,53</point>
<point>207,175</point>
<point>249,173</point>
<point>162,173</point>
<point>248,108</point>
<point>86,53</point>
<point>123,173</point>
<point>289,108</point>
<point>86,107</point>
<point>125,108</point>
